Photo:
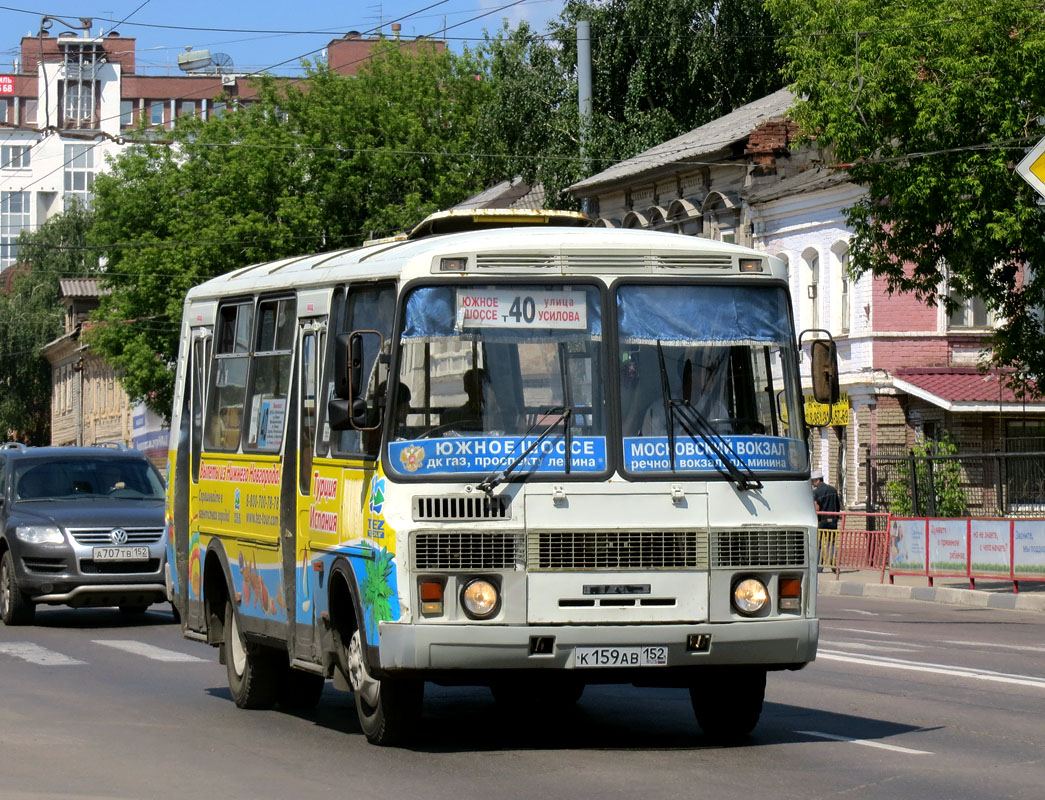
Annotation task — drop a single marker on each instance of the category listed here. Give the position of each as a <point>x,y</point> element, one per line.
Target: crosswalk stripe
<point>147,650</point>
<point>35,654</point>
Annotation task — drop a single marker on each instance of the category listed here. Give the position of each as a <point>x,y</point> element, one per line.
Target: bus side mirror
<point>356,355</point>
<point>825,371</point>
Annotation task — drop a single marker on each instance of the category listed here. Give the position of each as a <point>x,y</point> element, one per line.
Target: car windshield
<point>708,381</point>
<point>486,371</point>
<point>77,477</point>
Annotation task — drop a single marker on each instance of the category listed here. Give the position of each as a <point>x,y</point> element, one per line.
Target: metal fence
<point>1010,484</point>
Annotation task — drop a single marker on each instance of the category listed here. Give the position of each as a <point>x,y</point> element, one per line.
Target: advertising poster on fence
<point>1029,547</point>
<point>907,551</point>
<point>948,548</point>
<point>989,545</point>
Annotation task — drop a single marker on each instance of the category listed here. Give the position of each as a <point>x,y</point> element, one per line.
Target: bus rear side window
<point>229,378</point>
<point>270,379</point>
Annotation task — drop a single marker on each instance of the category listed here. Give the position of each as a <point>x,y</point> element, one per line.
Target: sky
<point>262,34</point>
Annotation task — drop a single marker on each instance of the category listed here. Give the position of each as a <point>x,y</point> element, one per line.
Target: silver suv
<point>79,526</point>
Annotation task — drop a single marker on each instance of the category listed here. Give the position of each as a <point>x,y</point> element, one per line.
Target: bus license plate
<point>121,554</point>
<point>645,656</point>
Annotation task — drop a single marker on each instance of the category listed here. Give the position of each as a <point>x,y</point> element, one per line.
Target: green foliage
<point>31,316</point>
<point>311,166</point>
<point>946,483</point>
<point>933,103</point>
<point>659,69</point>
<point>377,590</point>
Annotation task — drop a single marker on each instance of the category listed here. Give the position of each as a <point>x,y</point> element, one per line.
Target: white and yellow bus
<point>529,458</point>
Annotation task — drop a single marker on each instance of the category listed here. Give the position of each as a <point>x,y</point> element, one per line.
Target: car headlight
<point>480,599</point>
<point>40,534</point>
<point>750,596</point>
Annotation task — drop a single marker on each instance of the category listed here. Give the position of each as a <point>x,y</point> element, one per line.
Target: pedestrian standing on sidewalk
<point>825,498</point>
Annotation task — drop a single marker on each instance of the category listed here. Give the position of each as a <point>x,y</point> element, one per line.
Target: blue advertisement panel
<point>757,453</point>
<point>489,453</point>
<point>1029,541</point>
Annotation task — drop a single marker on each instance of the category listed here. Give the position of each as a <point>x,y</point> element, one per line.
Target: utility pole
<point>584,92</point>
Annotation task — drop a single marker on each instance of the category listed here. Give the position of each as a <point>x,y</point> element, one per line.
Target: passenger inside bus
<point>702,389</point>
<point>469,416</point>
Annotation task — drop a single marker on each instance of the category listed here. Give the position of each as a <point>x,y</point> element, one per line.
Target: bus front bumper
<point>775,643</point>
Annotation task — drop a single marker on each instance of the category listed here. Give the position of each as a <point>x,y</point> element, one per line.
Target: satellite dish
<point>221,63</point>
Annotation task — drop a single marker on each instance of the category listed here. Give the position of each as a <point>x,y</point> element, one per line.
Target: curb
<point>943,594</point>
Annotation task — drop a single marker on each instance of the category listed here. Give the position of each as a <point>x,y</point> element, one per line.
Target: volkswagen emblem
<point>118,536</point>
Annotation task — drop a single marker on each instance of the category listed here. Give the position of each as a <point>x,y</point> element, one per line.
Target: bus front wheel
<point>728,704</point>
<point>389,709</point>
<point>253,674</point>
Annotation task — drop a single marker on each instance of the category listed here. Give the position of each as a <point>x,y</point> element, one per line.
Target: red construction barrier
<point>854,545</point>
<point>968,547</point>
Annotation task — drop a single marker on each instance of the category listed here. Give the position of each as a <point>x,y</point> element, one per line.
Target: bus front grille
<point>616,550</point>
<point>758,548</point>
<point>461,508</point>
<point>456,550</point>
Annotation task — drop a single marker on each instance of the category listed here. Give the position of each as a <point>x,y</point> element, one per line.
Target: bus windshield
<point>708,380</point>
<point>488,370</point>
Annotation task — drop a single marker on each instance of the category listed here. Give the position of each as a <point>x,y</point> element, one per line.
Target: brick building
<point>909,369</point>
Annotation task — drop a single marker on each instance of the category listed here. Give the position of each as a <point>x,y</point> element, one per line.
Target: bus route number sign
<point>511,308</point>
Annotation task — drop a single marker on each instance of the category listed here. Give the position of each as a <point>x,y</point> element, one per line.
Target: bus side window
<point>308,392</point>
<point>229,376</point>
<point>270,376</point>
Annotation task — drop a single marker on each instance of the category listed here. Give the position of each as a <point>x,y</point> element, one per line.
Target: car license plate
<point>644,656</point>
<point>121,554</point>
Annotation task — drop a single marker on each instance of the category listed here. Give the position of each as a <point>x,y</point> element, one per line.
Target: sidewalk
<point>955,591</point>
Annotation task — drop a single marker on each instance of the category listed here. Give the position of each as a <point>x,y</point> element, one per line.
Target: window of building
<point>15,156</point>
<point>14,218</point>
<point>79,172</point>
<point>126,113</point>
<point>188,108</point>
<point>971,312</point>
<point>29,108</point>
<point>218,110</point>
<point>156,112</point>
<point>78,104</point>
<point>812,287</point>
<point>840,289</point>
<point>4,110</point>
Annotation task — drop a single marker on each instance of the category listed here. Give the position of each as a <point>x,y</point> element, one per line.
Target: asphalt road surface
<point>906,700</point>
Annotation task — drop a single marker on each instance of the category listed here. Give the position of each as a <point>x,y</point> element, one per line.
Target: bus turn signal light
<point>790,594</point>
<point>431,598</point>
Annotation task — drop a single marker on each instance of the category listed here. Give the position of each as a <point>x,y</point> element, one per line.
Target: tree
<point>941,477</point>
<point>931,105</point>
<point>313,165</point>
<point>31,316</point>
<point>659,69</point>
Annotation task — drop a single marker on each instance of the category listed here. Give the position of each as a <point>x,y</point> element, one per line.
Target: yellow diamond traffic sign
<point>1032,168</point>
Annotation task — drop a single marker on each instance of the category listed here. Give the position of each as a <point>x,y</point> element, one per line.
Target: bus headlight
<point>750,596</point>
<point>480,599</point>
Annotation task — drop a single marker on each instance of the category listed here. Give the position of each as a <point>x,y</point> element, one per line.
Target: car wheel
<point>253,673</point>
<point>388,709</point>
<point>300,691</point>
<point>15,606</point>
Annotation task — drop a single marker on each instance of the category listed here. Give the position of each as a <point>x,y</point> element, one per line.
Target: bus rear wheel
<point>729,703</point>
<point>388,709</point>
<point>253,674</point>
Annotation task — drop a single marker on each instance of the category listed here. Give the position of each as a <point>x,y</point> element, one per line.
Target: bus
<point>501,452</point>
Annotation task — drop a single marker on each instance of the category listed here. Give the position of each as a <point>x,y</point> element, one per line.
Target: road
<point>906,700</point>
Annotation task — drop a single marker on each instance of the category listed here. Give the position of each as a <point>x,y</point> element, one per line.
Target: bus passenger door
<point>306,575</point>
<point>196,386</point>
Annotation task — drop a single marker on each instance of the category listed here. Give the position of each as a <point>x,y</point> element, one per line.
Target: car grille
<point>617,550</point>
<point>460,508</point>
<point>88,567</point>
<point>758,548</point>
<point>48,565</point>
<point>102,537</point>
<point>454,550</point>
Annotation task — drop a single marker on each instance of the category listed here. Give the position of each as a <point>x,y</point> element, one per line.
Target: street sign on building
<point>1032,168</point>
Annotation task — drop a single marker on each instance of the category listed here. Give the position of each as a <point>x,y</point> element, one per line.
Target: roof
<point>703,141</point>
<point>964,389</point>
<point>81,287</point>
<point>507,194</point>
<point>810,180</point>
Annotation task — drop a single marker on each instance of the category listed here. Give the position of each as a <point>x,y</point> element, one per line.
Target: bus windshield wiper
<point>695,424</point>
<point>562,414</point>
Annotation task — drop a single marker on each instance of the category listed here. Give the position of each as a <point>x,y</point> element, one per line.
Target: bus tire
<point>388,709</point>
<point>728,706</point>
<point>253,674</point>
<point>15,606</point>
<point>300,691</point>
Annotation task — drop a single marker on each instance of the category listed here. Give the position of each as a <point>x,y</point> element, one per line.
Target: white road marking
<point>895,748</point>
<point>35,654</point>
<point>862,630</point>
<point>939,669</point>
<point>991,645</point>
<point>885,648</point>
<point>861,611</point>
<point>147,650</point>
